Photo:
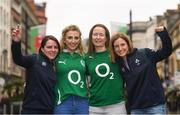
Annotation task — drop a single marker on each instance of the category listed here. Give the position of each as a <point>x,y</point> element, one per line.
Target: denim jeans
<point>154,110</point>
<point>73,105</point>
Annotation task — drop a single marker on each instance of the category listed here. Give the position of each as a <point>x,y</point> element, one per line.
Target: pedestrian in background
<point>105,80</point>
<point>144,89</point>
<point>71,88</point>
<point>40,74</point>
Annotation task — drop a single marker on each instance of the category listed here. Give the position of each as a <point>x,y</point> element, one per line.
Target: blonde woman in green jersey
<point>71,90</point>
<point>105,80</point>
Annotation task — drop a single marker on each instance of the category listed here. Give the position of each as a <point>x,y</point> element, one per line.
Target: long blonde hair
<point>64,32</point>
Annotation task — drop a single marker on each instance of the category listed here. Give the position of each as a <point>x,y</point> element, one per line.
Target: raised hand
<point>16,33</point>
<point>159,29</point>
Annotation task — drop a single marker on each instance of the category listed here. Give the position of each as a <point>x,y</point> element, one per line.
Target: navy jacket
<point>40,80</point>
<point>144,88</point>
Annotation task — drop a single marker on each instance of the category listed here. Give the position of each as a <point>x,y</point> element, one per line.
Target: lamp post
<point>26,33</point>
<point>130,24</point>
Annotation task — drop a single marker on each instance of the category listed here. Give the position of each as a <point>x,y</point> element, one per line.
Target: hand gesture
<point>16,33</point>
<point>159,29</point>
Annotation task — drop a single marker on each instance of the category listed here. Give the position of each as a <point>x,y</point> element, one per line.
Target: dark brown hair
<point>44,41</point>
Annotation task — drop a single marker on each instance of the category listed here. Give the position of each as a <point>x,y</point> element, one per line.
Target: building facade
<point>13,12</point>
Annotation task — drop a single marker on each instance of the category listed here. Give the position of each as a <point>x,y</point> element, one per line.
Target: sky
<point>86,13</point>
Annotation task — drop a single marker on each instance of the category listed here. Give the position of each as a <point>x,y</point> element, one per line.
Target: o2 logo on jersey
<point>107,71</point>
<point>78,78</point>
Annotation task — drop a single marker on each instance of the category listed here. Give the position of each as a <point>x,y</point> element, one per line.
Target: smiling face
<point>72,40</point>
<point>50,49</point>
<point>121,47</point>
<point>99,38</point>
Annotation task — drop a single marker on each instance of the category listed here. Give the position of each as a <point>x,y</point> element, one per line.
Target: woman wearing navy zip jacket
<point>145,93</point>
<point>40,81</point>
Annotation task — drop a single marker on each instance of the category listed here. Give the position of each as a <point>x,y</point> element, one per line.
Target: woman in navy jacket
<point>40,75</point>
<point>144,88</point>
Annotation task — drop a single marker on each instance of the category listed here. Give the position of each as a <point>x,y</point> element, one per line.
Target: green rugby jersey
<point>71,79</point>
<point>106,83</point>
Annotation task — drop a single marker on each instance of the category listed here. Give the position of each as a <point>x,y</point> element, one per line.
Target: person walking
<point>145,93</point>
<point>71,88</point>
<point>106,91</point>
<point>40,74</point>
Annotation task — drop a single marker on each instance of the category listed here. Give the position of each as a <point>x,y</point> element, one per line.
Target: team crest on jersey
<point>44,63</point>
<point>82,63</point>
<point>137,61</point>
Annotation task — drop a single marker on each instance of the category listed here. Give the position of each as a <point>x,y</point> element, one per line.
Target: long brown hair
<point>91,48</point>
<point>113,55</point>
